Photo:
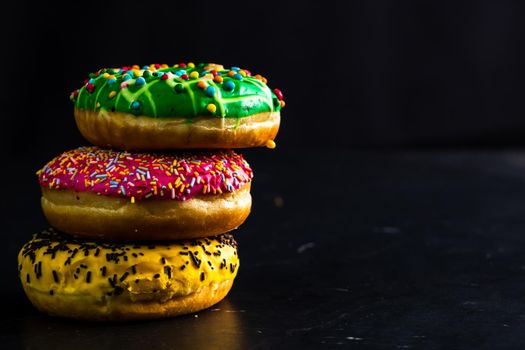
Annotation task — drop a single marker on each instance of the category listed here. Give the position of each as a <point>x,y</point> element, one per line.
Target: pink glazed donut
<point>117,195</point>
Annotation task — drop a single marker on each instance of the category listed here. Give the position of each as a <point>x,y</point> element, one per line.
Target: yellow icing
<point>48,263</point>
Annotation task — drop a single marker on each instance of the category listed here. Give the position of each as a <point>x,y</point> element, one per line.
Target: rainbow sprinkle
<point>139,176</point>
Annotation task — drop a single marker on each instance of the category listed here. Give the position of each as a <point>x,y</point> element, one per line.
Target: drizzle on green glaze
<point>160,91</point>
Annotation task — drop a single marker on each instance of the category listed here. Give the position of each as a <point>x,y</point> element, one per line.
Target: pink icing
<point>139,176</point>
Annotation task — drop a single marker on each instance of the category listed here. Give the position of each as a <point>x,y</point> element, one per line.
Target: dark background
<point>354,73</point>
<point>402,112</point>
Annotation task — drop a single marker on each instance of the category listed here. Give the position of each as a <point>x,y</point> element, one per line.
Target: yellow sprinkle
<point>191,65</point>
<point>243,73</point>
<point>282,103</point>
<point>112,94</point>
<point>270,144</point>
<point>194,75</point>
<point>137,73</point>
<point>211,108</point>
<point>132,200</point>
<point>98,104</point>
<point>105,75</point>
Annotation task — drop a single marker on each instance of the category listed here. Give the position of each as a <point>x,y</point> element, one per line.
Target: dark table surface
<point>375,250</point>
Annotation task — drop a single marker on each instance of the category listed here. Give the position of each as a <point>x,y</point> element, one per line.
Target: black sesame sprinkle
<point>55,276</point>
<point>195,260</point>
<point>124,276</point>
<point>157,275</point>
<point>202,276</point>
<point>167,271</point>
<point>134,269</point>
<point>51,292</point>
<point>88,277</point>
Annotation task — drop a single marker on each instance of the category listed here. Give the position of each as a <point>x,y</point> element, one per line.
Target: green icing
<point>159,98</point>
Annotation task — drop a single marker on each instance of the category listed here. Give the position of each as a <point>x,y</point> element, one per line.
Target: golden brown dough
<point>113,218</point>
<point>129,132</point>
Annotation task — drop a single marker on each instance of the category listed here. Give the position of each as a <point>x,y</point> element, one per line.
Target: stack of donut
<point>141,220</point>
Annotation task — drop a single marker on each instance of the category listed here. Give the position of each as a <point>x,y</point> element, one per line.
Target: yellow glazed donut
<point>99,280</point>
<point>115,195</point>
<point>177,107</point>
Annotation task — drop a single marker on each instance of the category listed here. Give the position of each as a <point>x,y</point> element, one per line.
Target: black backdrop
<point>354,73</point>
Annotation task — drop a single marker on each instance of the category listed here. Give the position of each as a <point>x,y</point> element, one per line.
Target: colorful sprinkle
<point>139,176</point>
<point>140,81</point>
<point>278,93</point>
<point>90,87</point>
<point>202,84</point>
<point>229,85</point>
<point>270,144</point>
<point>210,91</point>
<point>211,108</point>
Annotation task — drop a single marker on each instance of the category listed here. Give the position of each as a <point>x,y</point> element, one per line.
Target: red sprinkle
<point>164,77</point>
<point>182,65</point>
<point>278,93</point>
<point>184,77</point>
<point>90,87</point>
